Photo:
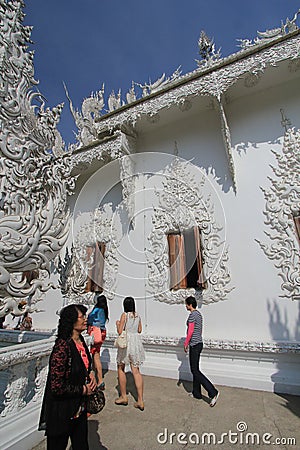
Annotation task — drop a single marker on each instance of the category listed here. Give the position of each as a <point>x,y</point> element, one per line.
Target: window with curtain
<point>185,260</point>
<point>95,255</point>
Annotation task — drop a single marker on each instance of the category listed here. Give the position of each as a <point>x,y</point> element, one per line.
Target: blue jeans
<point>198,377</point>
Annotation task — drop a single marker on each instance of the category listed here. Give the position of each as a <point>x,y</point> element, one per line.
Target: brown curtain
<point>95,274</point>
<point>297,225</point>
<point>201,282</point>
<point>30,275</point>
<point>185,259</point>
<point>177,262</point>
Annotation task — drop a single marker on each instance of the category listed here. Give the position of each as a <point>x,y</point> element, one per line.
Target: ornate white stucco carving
<point>127,171</point>
<point>40,379</point>
<point>90,109</point>
<point>213,78</point>
<point>30,362</point>
<point>225,344</point>
<point>33,182</point>
<point>267,36</point>
<point>101,226</point>
<point>160,83</point>
<point>91,120</point>
<point>282,203</point>
<point>207,51</point>
<point>25,370</point>
<point>182,205</point>
<point>72,279</point>
<point>226,139</point>
<point>114,146</point>
<point>211,82</point>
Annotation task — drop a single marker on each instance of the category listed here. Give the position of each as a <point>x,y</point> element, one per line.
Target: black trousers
<point>198,377</point>
<point>78,435</point>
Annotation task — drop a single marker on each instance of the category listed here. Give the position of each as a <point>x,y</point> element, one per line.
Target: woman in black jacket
<point>69,381</point>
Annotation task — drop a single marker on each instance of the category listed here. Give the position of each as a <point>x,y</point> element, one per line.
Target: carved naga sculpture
<point>34,179</point>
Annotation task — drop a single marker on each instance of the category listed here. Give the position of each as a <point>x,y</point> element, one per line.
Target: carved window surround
<point>102,227</point>
<point>182,205</point>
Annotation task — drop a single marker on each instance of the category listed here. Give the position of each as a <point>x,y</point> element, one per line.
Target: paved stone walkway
<point>242,419</point>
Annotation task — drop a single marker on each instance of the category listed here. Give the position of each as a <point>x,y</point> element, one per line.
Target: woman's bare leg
<point>98,367</point>
<point>122,382</point>
<point>139,383</point>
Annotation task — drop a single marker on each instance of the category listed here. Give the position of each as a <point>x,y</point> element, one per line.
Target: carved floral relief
<point>282,204</point>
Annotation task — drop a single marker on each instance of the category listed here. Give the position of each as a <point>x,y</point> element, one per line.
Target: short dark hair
<point>129,304</point>
<point>67,318</point>
<point>191,301</point>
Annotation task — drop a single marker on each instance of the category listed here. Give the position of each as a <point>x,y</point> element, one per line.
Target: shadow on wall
<point>281,332</point>
<point>184,374</point>
<point>105,359</point>
<point>278,325</point>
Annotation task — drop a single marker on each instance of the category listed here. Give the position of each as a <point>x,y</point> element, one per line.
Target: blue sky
<point>91,42</point>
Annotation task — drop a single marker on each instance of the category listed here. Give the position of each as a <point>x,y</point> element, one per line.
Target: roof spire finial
<point>207,50</point>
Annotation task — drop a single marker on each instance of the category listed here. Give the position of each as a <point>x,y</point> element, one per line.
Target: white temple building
<point>189,187</point>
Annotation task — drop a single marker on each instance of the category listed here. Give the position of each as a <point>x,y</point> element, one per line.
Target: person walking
<point>133,354</point>
<point>97,319</point>
<point>69,382</point>
<point>194,344</point>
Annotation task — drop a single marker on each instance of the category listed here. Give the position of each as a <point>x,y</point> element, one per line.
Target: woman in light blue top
<point>97,326</point>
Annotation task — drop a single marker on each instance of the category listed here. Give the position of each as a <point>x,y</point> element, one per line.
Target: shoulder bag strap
<point>124,327</point>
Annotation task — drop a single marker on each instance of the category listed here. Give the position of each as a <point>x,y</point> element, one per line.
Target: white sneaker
<point>214,400</point>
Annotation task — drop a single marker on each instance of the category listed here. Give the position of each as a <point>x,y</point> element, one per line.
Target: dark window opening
<point>185,260</point>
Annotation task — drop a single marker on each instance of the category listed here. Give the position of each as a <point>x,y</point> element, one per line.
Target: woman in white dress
<point>133,354</point>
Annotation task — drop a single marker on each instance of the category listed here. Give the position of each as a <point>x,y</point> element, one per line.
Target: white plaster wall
<point>254,310</point>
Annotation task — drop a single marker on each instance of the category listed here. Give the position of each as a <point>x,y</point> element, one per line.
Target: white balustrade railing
<point>23,372</point>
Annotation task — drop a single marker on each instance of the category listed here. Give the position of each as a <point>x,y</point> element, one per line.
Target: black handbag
<point>95,402</point>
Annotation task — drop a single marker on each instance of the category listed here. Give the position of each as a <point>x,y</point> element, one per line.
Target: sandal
<point>120,401</point>
<point>101,386</point>
<point>141,406</point>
